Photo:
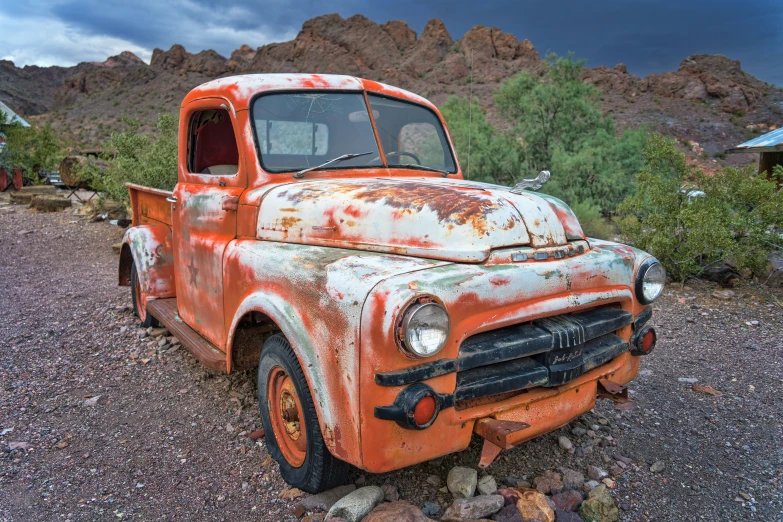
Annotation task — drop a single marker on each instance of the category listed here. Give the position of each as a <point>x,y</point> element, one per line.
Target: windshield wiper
<point>300,174</point>
<point>444,173</point>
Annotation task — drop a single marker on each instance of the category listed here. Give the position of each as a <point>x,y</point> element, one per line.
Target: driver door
<point>211,179</point>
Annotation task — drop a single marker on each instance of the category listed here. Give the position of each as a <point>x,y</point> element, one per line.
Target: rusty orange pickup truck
<point>321,231</point>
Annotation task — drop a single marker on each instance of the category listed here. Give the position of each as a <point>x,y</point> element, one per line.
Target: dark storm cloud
<point>648,36</point>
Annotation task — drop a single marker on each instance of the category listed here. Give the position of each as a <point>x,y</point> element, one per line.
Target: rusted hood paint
<point>452,220</point>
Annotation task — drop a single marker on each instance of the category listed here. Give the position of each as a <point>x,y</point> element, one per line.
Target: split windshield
<point>298,130</point>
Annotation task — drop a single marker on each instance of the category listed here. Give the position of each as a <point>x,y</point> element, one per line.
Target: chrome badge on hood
<point>531,184</point>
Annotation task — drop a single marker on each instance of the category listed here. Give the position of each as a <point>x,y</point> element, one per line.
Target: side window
<point>422,140</point>
<point>212,147</point>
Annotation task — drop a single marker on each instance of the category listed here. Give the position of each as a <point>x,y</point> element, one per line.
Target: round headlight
<point>650,281</point>
<point>425,328</point>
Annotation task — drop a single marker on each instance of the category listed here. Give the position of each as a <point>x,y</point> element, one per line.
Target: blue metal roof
<point>769,142</point>
<point>11,115</point>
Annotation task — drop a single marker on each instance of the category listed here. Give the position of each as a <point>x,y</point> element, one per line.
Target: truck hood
<point>448,219</point>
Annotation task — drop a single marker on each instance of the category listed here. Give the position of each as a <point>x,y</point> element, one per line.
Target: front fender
<point>315,296</point>
<point>150,249</point>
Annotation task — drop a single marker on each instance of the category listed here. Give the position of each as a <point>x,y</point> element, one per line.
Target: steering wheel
<point>399,153</point>
<point>404,153</point>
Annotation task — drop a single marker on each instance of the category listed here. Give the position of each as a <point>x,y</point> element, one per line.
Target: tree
<point>552,121</point>
<point>485,154</point>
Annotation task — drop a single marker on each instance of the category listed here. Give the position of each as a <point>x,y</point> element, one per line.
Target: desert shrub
<point>738,218</point>
<point>148,159</point>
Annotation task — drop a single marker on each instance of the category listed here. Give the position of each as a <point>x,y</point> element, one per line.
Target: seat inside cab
<point>212,144</point>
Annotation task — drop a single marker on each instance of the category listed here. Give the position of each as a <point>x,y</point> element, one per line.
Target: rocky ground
<point>100,420</point>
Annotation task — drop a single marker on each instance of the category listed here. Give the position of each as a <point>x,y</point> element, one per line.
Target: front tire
<point>145,319</point>
<point>293,434</point>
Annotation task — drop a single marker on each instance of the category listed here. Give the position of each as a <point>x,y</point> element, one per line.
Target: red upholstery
<point>216,145</point>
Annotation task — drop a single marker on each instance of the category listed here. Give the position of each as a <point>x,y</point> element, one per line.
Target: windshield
<point>296,131</point>
<point>300,130</point>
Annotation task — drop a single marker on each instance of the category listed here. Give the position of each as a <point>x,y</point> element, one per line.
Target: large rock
<point>478,507</point>
<point>599,506</point>
<point>400,511</point>
<point>533,505</point>
<point>324,501</point>
<point>356,505</point>
<point>462,482</point>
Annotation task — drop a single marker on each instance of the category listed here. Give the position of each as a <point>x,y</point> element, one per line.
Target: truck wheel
<point>293,434</point>
<point>146,319</point>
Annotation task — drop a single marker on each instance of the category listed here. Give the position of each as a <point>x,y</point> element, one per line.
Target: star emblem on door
<point>193,273</point>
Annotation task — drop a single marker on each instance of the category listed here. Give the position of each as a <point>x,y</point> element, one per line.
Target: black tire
<point>145,318</point>
<point>320,470</point>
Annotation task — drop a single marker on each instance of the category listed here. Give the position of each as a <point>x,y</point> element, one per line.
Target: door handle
<point>171,199</point>
<point>231,203</point>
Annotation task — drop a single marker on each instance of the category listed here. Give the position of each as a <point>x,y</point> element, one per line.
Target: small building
<point>11,115</point>
<point>769,145</point>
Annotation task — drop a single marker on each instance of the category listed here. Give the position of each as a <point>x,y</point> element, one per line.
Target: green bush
<point>31,149</point>
<point>148,159</point>
<point>738,218</point>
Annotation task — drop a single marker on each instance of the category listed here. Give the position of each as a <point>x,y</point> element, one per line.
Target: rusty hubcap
<point>285,414</point>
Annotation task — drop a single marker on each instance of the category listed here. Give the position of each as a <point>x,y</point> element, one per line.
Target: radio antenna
<point>470,109</point>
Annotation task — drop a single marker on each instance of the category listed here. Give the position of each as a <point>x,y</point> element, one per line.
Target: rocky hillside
<point>709,101</point>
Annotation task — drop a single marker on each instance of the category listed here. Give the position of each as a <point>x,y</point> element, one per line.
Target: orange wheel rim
<point>139,308</point>
<point>285,413</point>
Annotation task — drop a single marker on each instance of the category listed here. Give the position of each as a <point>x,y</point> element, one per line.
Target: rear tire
<point>145,319</point>
<point>293,433</point>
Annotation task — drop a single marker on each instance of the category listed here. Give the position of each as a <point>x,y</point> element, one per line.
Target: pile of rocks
<point>563,496</point>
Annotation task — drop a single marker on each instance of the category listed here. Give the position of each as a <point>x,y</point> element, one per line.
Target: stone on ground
<point>399,511</point>
<point>478,507</point>
<point>325,500</point>
<point>572,479</point>
<point>567,516</point>
<point>390,493</point>
<point>657,467</point>
<point>549,482</point>
<point>508,514</point>
<point>567,500</point>
<point>354,506</point>
<point>462,482</point>
<point>430,509</point>
<point>599,506</point>
<point>596,473</point>
<point>533,505</point>
<point>487,485</point>
<point>565,443</point>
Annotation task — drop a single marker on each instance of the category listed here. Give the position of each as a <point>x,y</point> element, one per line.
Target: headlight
<point>424,329</point>
<point>650,280</point>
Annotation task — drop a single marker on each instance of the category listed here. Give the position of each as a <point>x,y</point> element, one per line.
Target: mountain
<point>709,102</point>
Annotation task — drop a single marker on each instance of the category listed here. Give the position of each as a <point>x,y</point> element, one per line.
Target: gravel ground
<point>166,439</point>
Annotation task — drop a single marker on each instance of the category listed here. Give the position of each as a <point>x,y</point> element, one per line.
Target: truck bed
<point>149,205</point>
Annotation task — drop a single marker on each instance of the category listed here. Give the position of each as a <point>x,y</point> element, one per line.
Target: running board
<point>165,311</point>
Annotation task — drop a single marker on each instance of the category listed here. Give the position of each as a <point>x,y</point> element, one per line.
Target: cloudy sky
<point>648,35</point>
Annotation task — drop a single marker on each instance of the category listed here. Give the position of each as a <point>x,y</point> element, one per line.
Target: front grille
<point>547,352</point>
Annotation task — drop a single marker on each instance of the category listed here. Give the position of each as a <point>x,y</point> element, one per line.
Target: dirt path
<point>166,439</point>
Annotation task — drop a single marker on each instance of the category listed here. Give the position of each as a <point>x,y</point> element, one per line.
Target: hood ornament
<point>531,184</point>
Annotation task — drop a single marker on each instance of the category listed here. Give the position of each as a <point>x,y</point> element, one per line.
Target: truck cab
<point>322,232</point>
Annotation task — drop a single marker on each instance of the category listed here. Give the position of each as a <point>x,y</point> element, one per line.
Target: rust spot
<point>289,221</point>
